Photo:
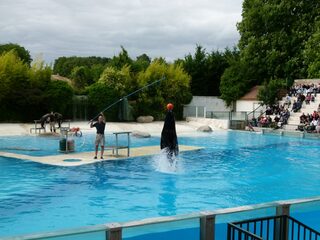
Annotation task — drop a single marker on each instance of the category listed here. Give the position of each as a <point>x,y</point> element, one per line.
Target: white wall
<point>213,123</point>
<point>211,103</point>
<point>247,105</point>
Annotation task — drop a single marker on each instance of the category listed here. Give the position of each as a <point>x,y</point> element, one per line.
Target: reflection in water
<point>168,196</point>
<point>172,167</point>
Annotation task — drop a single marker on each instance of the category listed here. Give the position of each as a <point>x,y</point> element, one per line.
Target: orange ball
<point>169,106</point>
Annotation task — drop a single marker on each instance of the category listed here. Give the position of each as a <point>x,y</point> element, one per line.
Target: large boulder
<point>145,119</point>
<point>205,128</point>
<point>139,134</point>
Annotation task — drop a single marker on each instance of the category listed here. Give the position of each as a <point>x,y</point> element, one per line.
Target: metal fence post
<point>196,111</point>
<point>283,209</point>
<point>207,227</point>
<point>114,232</point>
<point>282,228</point>
<point>204,112</point>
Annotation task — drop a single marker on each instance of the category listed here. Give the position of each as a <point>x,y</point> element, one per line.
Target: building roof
<point>60,78</point>
<point>252,94</point>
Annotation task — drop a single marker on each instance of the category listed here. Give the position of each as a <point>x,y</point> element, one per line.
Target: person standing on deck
<point>100,139</point>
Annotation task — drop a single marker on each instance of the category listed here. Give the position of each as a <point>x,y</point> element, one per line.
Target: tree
<point>22,53</point>
<point>120,80</point>
<point>141,63</point>
<point>205,70</point>
<point>100,96</point>
<point>64,65</point>
<point>23,88</point>
<point>273,36</point>
<point>81,77</point>
<point>40,74</point>
<point>216,64</point>
<point>113,84</point>
<point>269,93</point>
<point>14,80</point>
<point>196,67</point>
<point>58,97</point>
<point>232,85</point>
<point>121,60</point>
<point>13,74</point>
<point>175,88</point>
<point>312,53</point>
<point>96,71</point>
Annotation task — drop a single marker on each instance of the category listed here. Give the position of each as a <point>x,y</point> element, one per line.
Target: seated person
<point>263,121</point>
<point>254,122</point>
<point>296,106</point>
<point>308,99</point>
<point>269,111</point>
<point>313,125</point>
<point>303,118</point>
<point>287,100</point>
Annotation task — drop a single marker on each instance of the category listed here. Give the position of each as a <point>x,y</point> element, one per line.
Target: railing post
<point>283,210</point>
<point>229,232</point>
<point>204,112</point>
<point>196,111</point>
<point>282,233</point>
<point>114,232</point>
<point>207,227</point>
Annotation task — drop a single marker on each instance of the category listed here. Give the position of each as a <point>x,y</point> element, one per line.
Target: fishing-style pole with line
<point>111,105</point>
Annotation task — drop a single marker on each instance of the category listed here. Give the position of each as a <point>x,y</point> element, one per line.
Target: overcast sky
<point>167,28</point>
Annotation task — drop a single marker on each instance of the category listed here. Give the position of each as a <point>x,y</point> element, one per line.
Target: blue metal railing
<point>235,232</point>
<point>271,228</point>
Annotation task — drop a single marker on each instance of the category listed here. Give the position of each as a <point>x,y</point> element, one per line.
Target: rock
<point>139,134</point>
<point>205,128</point>
<point>145,119</point>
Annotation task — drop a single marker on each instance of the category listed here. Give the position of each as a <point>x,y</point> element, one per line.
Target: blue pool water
<point>233,169</point>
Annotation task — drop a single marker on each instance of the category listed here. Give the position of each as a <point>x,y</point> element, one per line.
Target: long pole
<point>146,86</point>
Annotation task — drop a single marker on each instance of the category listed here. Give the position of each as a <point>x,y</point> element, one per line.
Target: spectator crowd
<point>304,93</point>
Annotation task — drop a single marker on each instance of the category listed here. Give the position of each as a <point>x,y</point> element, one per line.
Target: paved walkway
<point>154,128</point>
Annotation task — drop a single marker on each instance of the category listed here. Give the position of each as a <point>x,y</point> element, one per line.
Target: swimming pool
<point>234,168</point>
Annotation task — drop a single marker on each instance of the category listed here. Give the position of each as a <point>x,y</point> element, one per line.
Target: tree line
<point>279,42</point>
<point>26,89</point>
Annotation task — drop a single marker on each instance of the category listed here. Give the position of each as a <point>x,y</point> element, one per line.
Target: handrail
<point>164,219</point>
<point>281,227</point>
<point>232,229</point>
<point>305,226</point>
<point>260,105</point>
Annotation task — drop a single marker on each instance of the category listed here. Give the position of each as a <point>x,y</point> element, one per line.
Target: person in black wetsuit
<point>100,139</point>
<point>58,118</point>
<point>169,140</point>
<point>45,119</point>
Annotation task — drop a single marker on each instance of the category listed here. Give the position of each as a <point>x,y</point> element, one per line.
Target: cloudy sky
<point>167,28</point>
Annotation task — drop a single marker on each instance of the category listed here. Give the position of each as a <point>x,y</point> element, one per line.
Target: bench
<point>116,147</point>
<point>37,127</point>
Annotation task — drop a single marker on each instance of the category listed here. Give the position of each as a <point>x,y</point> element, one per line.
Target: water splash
<point>166,163</point>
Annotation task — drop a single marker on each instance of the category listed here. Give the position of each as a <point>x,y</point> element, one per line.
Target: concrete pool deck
<point>154,128</point>
<point>81,158</point>
<point>183,128</point>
